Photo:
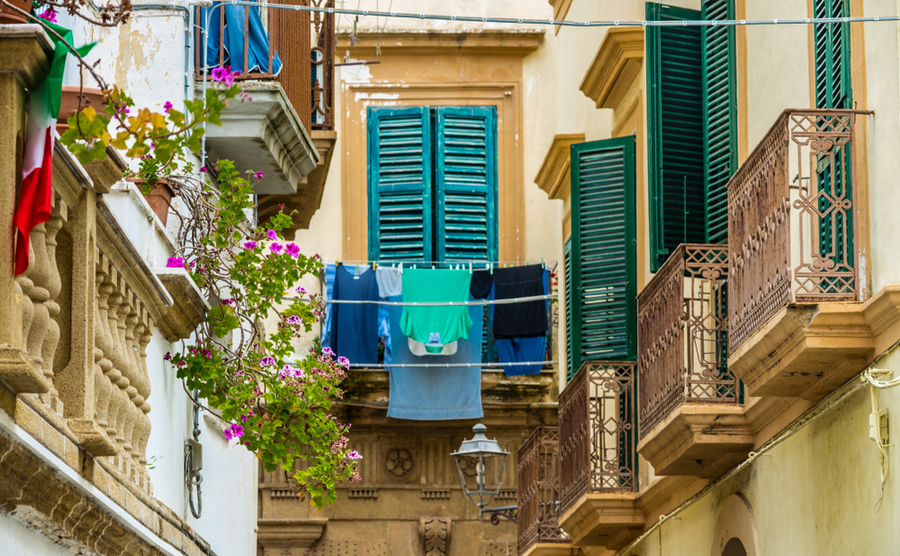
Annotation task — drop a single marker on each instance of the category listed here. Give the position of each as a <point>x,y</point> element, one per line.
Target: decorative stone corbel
<point>435,533</point>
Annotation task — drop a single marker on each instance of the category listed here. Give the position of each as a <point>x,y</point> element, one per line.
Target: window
<point>432,184</point>
<point>832,56</point>
<point>600,259</point>
<point>692,125</point>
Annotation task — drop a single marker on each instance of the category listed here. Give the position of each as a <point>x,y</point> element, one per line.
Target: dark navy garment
<point>520,320</point>
<point>513,351</point>
<point>354,328</point>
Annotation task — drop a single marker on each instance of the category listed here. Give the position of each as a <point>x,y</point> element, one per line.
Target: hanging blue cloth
<point>512,351</point>
<point>234,35</point>
<point>428,393</point>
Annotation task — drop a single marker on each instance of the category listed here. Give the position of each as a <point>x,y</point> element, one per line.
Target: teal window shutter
<point>832,56</point>
<point>466,183</point>
<point>567,261</point>
<point>400,184</point>
<point>602,294</point>
<point>675,127</point>
<point>719,116</point>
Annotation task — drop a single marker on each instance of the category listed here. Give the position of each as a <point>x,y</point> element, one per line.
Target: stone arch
<point>735,533</point>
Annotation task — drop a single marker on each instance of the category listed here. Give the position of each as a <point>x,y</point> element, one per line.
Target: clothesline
<point>454,365</point>
<point>509,301</point>
<point>465,263</point>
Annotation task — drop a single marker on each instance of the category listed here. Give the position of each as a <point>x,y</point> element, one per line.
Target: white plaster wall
<point>537,9</point>
<point>18,540</point>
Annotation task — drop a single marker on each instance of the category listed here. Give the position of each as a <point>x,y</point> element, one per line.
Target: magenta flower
<point>227,301</point>
<point>327,351</point>
<point>243,418</point>
<point>227,433</point>
<point>292,250</point>
<point>283,373</point>
<point>234,431</point>
<point>258,175</point>
<point>343,361</point>
<point>203,168</point>
<point>267,362</point>
<point>48,15</point>
<point>293,320</point>
<point>354,455</point>
<point>272,234</point>
<point>300,289</point>
<point>175,262</point>
<point>249,245</point>
<point>220,74</point>
<point>276,248</point>
<point>167,106</point>
<point>167,356</point>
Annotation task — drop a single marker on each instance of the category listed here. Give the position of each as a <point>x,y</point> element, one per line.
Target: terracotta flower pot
<point>159,198</point>
<point>9,16</point>
<point>69,104</point>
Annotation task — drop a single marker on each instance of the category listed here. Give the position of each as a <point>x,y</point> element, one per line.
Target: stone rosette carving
<point>398,462</point>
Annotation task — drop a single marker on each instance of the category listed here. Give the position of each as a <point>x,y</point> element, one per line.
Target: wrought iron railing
<point>538,482</point>
<point>792,226</point>
<point>597,439</point>
<point>682,334</point>
<point>302,41</point>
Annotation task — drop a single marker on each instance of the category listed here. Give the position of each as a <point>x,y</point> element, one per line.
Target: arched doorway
<point>734,547</point>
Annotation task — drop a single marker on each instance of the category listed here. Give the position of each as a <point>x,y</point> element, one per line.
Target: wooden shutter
<point>400,183</point>
<point>602,295</point>
<point>675,132</point>
<point>832,56</point>
<point>567,261</point>
<point>466,183</point>
<point>719,116</point>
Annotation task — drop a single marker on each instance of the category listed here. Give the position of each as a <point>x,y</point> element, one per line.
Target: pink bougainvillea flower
<point>249,245</point>
<point>175,262</point>
<point>272,234</point>
<point>292,250</point>
<point>167,106</point>
<point>267,361</point>
<point>276,248</point>
<point>48,15</point>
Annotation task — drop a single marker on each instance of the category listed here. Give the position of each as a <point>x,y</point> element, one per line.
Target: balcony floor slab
<point>699,440</point>
<point>611,520</point>
<point>808,350</point>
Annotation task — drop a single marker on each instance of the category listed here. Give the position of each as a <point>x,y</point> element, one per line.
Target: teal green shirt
<point>436,326</point>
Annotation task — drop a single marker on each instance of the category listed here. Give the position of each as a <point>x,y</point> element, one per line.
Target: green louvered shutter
<point>832,51</point>
<point>567,261</point>
<point>603,295</point>
<point>400,183</point>
<point>466,183</point>
<point>719,116</point>
<point>675,132</point>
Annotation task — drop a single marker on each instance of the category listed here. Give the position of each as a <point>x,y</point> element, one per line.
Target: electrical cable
<point>510,301</point>
<point>452,365</point>
<point>872,377</point>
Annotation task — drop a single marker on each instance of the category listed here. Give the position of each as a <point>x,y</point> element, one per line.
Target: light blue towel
<point>428,394</point>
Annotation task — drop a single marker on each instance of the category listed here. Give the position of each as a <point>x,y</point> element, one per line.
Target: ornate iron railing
<point>682,334</point>
<point>791,219</point>
<point>307,72</point>
<point>597,439</point>
<point>538,481</point>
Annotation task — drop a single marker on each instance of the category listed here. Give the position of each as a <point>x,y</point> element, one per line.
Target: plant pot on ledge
<point>9,16</point>
<point>159,198</point>
<point>69,104</point>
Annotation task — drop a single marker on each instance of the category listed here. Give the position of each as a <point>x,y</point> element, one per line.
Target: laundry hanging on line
<point>435,326</point>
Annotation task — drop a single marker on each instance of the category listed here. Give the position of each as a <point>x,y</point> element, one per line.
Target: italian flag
<point>36,193</point>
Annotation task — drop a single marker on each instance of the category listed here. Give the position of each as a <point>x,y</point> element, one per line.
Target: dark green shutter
<point>567,261</point>
<point>832,50</point>
<point>466,183</point>
<point>675,132</point>
<point>400,182</point>
<point>602,288</point>
<point>719,116</point>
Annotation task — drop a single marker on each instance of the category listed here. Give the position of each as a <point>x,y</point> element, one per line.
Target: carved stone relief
<point>435,533</point>
<point>398,462</point>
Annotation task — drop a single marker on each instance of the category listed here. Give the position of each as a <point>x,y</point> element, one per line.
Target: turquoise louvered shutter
<point>832,56</point>
<point>675,132</point>
<point>602,295</point>
<point>719,116</point>
<point>466,183</point>
<point>567,262</point>
<point>400,184</point>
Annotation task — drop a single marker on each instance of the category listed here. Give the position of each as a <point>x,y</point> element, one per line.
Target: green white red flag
<point>36,193</point>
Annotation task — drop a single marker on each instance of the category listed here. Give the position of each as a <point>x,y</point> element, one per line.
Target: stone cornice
<point>422,43</point>
<point>290,533</point>
<point>554,171</point>
<point>26,52</point>
<point>615,66</point>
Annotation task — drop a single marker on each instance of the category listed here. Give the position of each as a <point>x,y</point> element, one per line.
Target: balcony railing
<point>792,227</point>
<point>682,334</point>
<point>304,44</point>
<point>538,483</point>
<point>596,432</point>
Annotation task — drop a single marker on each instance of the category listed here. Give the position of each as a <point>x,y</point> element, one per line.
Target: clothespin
<point>491,268</point>
<point>543,264</point>
<point>470,267</point>
<point>432,267</point>
<point>401,268</point>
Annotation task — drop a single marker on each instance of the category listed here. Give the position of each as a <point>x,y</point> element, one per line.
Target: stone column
<point>25,61</point>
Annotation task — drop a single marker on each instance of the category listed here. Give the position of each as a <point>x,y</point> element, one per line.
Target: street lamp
<point>476,453</point>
